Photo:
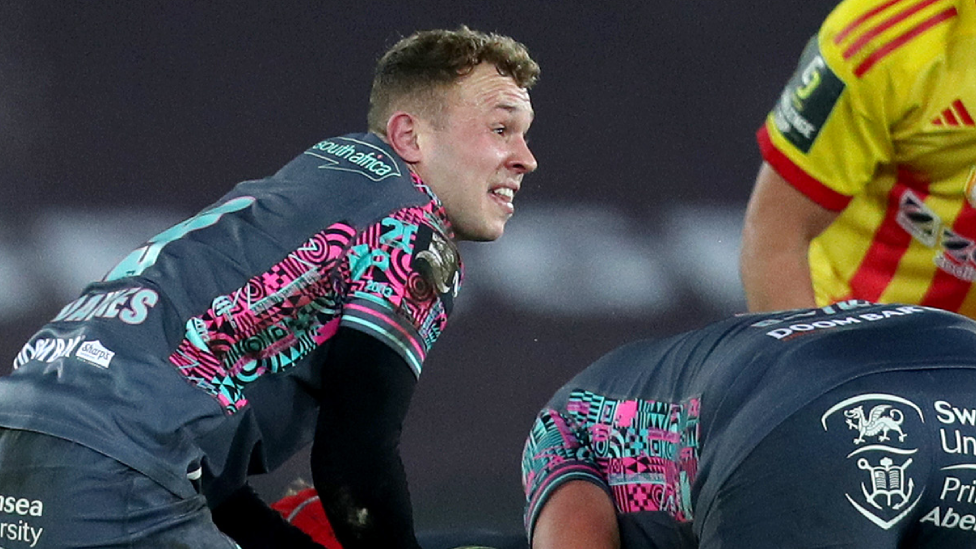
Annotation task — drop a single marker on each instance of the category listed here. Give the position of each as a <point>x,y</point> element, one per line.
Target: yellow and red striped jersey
<point>877,123</point>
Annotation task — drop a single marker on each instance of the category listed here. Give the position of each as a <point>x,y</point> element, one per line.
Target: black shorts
<point>884,461</point>
<point>57,494</point>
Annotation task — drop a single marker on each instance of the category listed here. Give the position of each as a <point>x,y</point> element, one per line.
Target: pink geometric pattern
<point>276,318</point>
<point>281,315</point>
<point>391,268</point>
<point>645,452</point>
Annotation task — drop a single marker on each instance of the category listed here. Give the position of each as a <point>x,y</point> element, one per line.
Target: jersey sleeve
<point>554,455</point>
<point>401,274</point>
<point>830,129</point>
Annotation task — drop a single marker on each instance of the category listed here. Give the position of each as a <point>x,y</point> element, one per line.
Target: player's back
<point>724,387</point>
<point>799,349</point>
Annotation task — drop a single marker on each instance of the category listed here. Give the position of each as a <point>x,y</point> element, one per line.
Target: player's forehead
<point>486,90</point>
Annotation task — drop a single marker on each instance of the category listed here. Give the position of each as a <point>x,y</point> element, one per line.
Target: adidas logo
<point>954,116</point>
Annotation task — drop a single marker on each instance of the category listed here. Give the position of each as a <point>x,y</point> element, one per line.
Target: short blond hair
<point>417,69</point>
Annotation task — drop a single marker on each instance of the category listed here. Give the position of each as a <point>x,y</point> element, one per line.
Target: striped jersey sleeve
<point>857,81</point>
<point>553,455</point>
<point>642,452</point>
<point>402,274</point>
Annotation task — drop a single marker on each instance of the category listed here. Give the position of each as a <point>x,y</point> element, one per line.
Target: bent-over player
<point>851,426</point>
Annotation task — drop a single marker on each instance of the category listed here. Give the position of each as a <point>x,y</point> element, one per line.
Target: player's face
<point>476,155</point>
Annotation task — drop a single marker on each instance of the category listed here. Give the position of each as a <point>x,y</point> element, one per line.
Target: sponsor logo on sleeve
<point>808,99</point>
<point>95,353</point>
<point>351,155</point>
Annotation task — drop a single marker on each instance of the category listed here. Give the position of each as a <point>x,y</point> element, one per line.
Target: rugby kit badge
<point>881,447</point>
<point>808,99</point>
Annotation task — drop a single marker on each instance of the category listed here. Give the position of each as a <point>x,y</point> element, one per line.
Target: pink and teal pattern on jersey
<point>643,452</point>
<point>365,280</point>
<point>393,293</point>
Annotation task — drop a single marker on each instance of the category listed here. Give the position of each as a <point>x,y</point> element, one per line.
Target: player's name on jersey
<point>130,305</point>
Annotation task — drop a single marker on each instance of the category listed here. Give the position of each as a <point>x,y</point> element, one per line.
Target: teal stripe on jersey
<point>389,337</point>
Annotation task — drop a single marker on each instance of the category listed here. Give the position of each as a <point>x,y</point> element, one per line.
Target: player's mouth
<point>504,196</point>
<point>505,193</point>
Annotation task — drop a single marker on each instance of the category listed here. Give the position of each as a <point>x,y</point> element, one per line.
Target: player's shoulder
<point>865,39</point>
<point>365,155</point>
<point>351,163</point>
<point>354,177</point>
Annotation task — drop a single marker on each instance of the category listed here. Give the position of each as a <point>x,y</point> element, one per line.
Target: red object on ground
<point>305,511</point>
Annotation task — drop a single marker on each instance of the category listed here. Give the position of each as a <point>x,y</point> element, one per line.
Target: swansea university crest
<point>881,446</point>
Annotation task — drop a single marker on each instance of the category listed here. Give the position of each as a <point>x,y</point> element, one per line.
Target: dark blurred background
<point>118,118</point>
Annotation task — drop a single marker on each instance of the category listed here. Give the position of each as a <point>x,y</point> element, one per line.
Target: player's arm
<point>780,223</point>
<point>356,465</point>
<point>579,514</point>
<point>567,498</point>
<point>401,275</point>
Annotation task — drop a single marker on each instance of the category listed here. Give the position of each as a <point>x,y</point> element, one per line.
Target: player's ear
<point>402,131</point>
